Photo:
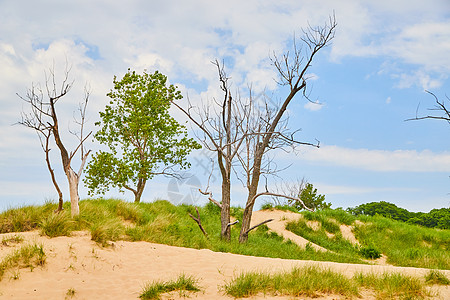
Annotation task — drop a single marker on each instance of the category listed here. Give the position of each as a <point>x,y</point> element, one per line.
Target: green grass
<point>14,239</point>
<point>28,256</point>
<point>403,244</point>
<point>313,281</point>
<point>59,224</point>
<point>161,222</point>
<point>436,277</point>
<point>310,281</point>
<point>182,283</point>
<point>393,285</point>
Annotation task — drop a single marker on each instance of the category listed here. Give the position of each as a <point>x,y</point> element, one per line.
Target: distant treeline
<point>436,218</point>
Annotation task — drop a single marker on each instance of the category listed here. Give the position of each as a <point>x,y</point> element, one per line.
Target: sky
<point>372,78</point>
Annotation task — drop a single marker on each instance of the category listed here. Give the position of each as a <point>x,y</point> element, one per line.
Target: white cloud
<point>380,160</point>
<point>313,106</point>
<point>355,190</point>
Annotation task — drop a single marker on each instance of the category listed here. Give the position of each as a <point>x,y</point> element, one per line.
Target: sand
<point>120,272</point>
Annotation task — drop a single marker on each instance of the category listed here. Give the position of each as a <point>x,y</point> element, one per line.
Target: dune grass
<point>393,285</point>
<point>313,281</point>
<point>309,281</point>
<point>182,283</point>
<point>436,277</point>
<point>403,244</point>
<point>161,222</point>
<point>28,256</point>
<point>158,222</point>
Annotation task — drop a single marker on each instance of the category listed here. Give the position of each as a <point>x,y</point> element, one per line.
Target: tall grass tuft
<point>309,281</point>
<point>28,256</point>
<point>393,285</point>
<point>155,289</point>
<point>56,224</point>
<point>436,277</point>
<point>106,231</point>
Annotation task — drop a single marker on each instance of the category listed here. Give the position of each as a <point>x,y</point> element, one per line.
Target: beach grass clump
<point>308,281</point>
<point>56,224</point>
<point>393,285</point>
<point>28,256</point>
<point>182,283</point>
<point>14,239</point>
<point>313,281</point>
<point>106,231</point>
<point>436,277</point>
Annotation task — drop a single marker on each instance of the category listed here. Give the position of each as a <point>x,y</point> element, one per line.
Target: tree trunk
<point>252,190</point>
<point>225,211</point>
<point>139,190</point>
<point>247,216</point>
<point>73,179</point>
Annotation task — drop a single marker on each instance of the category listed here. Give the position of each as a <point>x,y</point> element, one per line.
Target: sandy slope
<point>121,271</point>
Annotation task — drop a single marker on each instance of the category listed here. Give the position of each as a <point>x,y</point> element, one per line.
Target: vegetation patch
<point>182,283</point>
<point>436,218</point>
<point>370,252</point>
<point>56,224</point>
<point>393,285</point>
<point>164,223</point>
<point>310,281</point>
<point>436,277</point>
<point>14,239</point>
<point>313,281</point>
<point>28,256</point>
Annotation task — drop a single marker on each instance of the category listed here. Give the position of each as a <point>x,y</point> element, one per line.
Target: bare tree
<point>44,120</point>
<point>219,126</point>
<point>440,107</point>
<point>293,73</point>
<point>242,132</point>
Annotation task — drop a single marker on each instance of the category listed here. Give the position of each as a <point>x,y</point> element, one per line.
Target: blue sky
<point>372,78</point>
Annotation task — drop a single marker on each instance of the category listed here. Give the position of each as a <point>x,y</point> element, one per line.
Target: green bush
<point>370,252</point>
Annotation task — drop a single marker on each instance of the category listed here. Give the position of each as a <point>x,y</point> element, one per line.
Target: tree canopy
<point>142,138</point>
<point>436,218</point>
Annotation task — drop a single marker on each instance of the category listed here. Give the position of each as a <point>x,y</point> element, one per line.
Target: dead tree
<point>292,70</point>
<point>440,107</point>
<point>219,129</point>
<point>44,120</point>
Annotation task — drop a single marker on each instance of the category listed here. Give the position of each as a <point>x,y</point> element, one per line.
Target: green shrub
<point>370,252</point>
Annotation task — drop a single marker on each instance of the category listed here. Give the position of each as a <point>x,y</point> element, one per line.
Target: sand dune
<point>120,272</point>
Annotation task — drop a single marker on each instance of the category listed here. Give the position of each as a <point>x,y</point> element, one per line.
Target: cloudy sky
<point>373,77</point>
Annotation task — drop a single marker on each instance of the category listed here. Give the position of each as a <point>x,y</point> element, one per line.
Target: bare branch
<point>199,222</point>
<point>210,198</point>
<point>257,225</point>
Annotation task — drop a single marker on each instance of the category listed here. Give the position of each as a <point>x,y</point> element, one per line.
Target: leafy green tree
<point>436,218</point>
<point>310,199</point>
<point>143,139</point>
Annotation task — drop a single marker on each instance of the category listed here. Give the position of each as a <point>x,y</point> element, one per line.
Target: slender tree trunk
<point>139,190</point>
<point>225,211</point>
<point>52,173</point>
<point>252,190</point>
<point>73,179</point>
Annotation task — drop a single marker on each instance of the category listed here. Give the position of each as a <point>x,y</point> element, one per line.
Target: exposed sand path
<point>121,272</point>
<point>278,225</point>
